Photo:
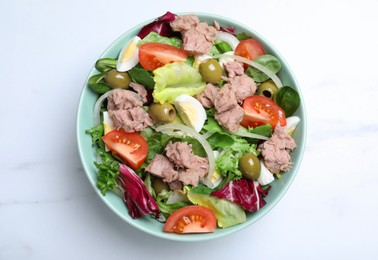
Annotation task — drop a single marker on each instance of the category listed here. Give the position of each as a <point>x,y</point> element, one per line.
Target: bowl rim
<point>227,231</point>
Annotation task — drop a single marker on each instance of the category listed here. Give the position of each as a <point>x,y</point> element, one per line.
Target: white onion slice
<point>170,129</point>
<point>256,65</point>
<point>97,107</point>
<point>229,38</point>
<point>244,133</point>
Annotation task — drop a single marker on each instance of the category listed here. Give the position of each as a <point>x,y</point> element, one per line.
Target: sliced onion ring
<point>256,65</point>
<point>229,38</point>
<point>97,107</point>
<point>172,127</point>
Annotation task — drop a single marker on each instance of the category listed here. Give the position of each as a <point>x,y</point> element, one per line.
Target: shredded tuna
<point>125,110</point>
<point>175,185</point>
<point>140,89</point>
<point>229,114</point>
<point>180,154</point>
<point>231,118</point>
<point>123,99</point>
<point>207,97</point>
<point>184,22</point>
<point>197,36</point>
<point>234,68</point>
<point>131,120</point>
<point>180,166</point>
<point>225,99</point>
<point>192,176</point>
<point>161,167</point>
<point>243,87</point>
<point>276,151</point>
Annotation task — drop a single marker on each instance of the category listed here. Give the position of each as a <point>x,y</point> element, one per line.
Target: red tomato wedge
<point>131,148</point>
<point>260,110</point>
<point>153,55</point>
<point>191,219</point>
<point>250,49</point>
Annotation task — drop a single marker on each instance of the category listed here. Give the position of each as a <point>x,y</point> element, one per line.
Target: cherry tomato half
<point>153,55</point>
<point>131,148</point>
<point>250,49</point>
<point>191,219</point>
<point>260,110</point>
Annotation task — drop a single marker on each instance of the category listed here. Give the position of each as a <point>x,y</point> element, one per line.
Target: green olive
<point>163,113</point>
<point>117,79</point>
<point>250,166</point>
<point>267,89</point>
<point>211,71</point>
<point>159,185</point>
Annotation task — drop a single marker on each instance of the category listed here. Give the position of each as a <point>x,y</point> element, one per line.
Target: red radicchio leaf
<point>230,30</point>
<point>247,194</point>
<point>160,26</point>
<point>136,196</point>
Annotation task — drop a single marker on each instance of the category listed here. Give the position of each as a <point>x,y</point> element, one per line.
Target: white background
<point>48,209</point>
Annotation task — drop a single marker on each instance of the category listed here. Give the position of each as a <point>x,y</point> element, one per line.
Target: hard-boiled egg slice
<point>266,176</point>
<point>291,124</point>
<point>191,111</point>
<point>108,123</point>
<point>128,57</point>
<point>214,179</point>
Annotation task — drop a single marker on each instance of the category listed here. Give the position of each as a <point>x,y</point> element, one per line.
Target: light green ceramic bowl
<point>148,224</point>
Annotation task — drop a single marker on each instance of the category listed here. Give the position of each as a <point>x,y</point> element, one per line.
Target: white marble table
<point>48,210</point>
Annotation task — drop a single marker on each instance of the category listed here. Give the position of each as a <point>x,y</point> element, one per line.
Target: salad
<point>192,124</point>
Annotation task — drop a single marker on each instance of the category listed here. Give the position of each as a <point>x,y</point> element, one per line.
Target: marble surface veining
<point>48,210</point>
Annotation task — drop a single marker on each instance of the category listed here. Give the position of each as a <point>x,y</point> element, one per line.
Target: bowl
<point>148,224</point>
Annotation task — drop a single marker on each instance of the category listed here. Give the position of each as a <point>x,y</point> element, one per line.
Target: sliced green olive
<point>159,185</point>
<point>267,89</point>
<point>163,113</point>
<point>117,79</point>
<point>211,71</point>
<point>250,166</point>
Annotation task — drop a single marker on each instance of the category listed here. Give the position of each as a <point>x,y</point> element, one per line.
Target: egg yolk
<point>188,112</point>
<point>129,52</point>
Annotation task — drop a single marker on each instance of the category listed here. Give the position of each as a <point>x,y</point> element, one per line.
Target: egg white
<point>128,57</point>
<point>191,111</point>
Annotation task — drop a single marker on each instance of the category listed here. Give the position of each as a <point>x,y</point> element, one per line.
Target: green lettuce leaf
<point>143,77</point>
<point>227,213</point>
<point>265,130</point>
<point>96,133</point>
<point>220,140</point>
<point>167,209</point>
<point>228,160</point>
<point>154,37</point>
<point>268,61</point>
<point>175,79</point>
<point>212,126</point>
<point>108,171</point>
<point>220,47</point>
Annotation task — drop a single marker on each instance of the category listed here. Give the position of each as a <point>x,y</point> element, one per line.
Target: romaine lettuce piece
<point>227,213</point>
<point>175,79</point>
